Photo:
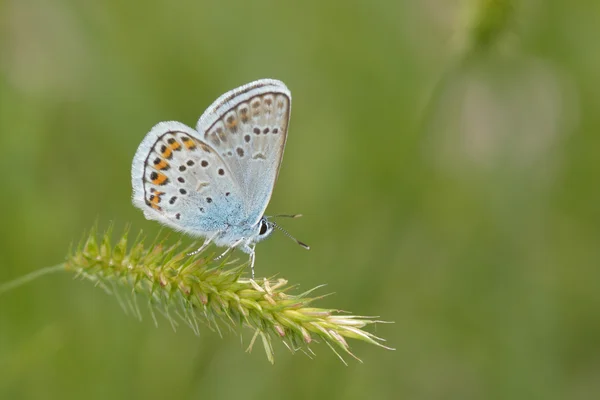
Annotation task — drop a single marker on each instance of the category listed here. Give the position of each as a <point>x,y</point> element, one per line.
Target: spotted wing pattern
<point>182,182</point>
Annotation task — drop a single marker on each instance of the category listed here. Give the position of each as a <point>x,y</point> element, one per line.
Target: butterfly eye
<point>263,227</point>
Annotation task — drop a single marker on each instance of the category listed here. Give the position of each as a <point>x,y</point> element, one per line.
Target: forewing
<point>248,128</point>
<point>182,182</point>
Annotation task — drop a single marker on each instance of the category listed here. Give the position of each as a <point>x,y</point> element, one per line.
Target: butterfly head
<point>264,229</point>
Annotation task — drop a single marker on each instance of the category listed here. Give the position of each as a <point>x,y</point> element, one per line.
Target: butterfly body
<point>215,181</point>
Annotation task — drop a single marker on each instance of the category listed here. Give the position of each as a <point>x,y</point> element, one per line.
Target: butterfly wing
<point>182,182</point>
<point>247,127</point>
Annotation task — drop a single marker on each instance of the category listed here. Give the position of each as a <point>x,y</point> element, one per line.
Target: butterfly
<point>216,181</point>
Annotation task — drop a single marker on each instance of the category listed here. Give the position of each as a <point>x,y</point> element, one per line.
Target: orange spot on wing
<point>167,153</point>
<point>188,143</point>
<point>152,203</point>
<point>175,146</point>
<point>162,165</point>
<point>160,179</point>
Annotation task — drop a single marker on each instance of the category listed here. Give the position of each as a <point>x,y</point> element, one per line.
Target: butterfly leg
<point>250,250</point>
<point>252,257</point>
<point>233,246</point>
<point>204,245</point>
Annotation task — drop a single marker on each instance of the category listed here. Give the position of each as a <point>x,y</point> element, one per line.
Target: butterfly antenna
<point>307,247</point>
<point>286,216</point>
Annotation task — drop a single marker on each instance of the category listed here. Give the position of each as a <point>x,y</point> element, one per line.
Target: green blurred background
<point>445,156</point>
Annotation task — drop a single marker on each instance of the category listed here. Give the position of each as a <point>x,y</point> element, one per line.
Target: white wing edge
<point>238,95</point>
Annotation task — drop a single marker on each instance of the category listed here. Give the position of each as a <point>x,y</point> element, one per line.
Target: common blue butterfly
<point>215,181</point>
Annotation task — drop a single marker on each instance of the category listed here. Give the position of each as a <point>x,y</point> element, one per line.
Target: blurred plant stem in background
<point>5,287</point>
<point>481,26</point>
<point>496,109</point>
<point>486,22</point>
